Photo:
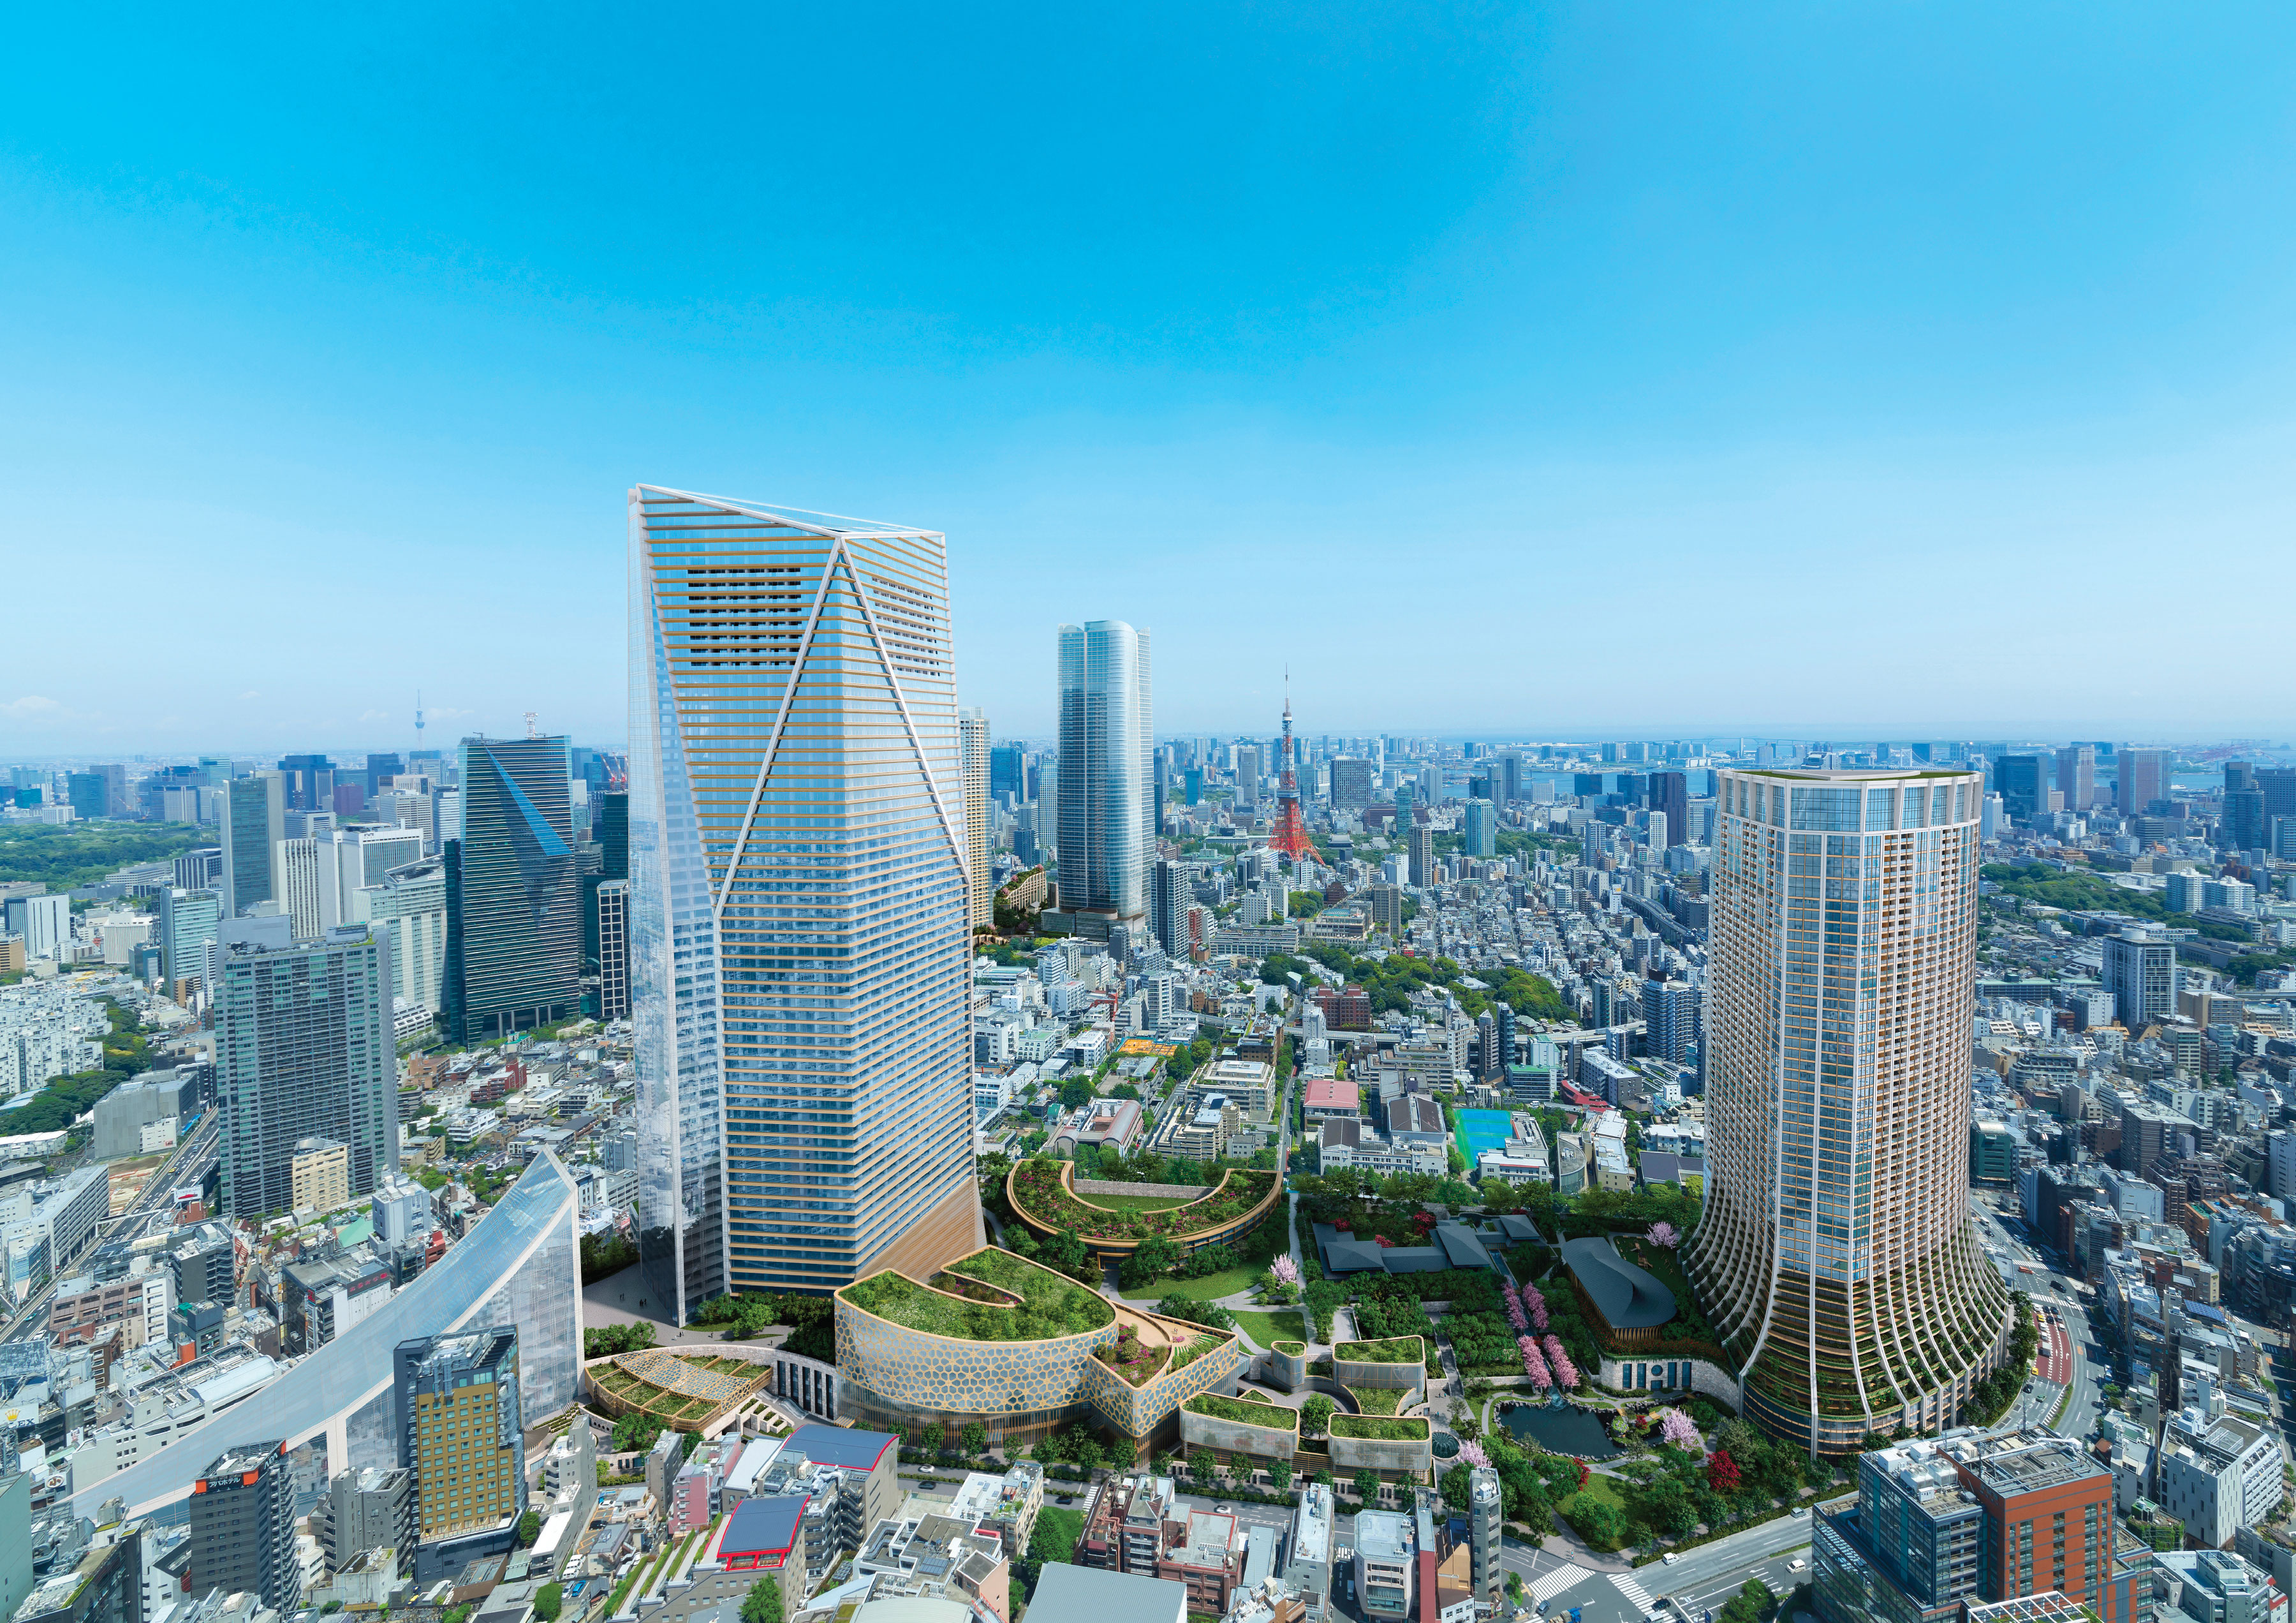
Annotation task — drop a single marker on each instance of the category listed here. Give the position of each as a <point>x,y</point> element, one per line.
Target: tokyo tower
<point>1291,835</point>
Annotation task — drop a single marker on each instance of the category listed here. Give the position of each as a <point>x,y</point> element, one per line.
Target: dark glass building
<point>513,896</point>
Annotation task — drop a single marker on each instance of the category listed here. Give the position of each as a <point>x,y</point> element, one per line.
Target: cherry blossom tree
<point>1514,1313</point>
<point>1677,1430</point>
<point>1534,1363</point>
<point>1471,1453</point>
<point>1286,1270</point>
<point>1665,1234</point>
<point>1534,1305</point>
<point>1566,1374</point>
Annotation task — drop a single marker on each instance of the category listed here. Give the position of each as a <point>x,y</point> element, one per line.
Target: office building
<point>1421,843</point>
<point>2018,780</point>
<point>2220,1470</point>
<point>793,730</point>
<point>519,1267</point>
<point>2143,780</point>
<point>457,1398</point>
<point>2140,975</point>
<point>354,859</point>
<point>1008,774</point>
<point>1670,797</point>
<point>513,912</point>
<point>613,902</point>
<point>1486,1527</point>
<point>299,872</point>
<point>972,756</point>
<point>201,869</point>
<point>188,921</point>
<point>309,781</point>
<point>304,1048</point>
<point>1671,1007</point>
<point>243,1528</point>
<point>2244,825</point>
<point>1168,896</point>
<point>1350,784</point>
<point>43,925</point>
<point>1387,1563</point>
<point>254,824</point>
<point>372,1508</point>
<point>1107,804</point>
<point>1836,1240</point>
<point>1482,830</point>
<point>408,908</point>
<point>2077,775</point>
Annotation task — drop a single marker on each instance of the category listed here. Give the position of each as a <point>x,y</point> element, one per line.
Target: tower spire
<point>1291,835</point>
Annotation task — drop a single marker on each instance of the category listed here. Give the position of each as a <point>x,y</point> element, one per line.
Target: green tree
<point>547,1601</point>
<point>1279,1474</point>
<point>1075,1094</point>
<point>936,1439</point>
<point>529,1529</point>
<point>976,1438</point>
<point>1316,1414</point>
<point>1065,1252</point>
<point>1366,1485</point>
<point>1201,1466</point>
<point>763,1603</point>
<point>1151,1259</point>
<point>1598,1521</point>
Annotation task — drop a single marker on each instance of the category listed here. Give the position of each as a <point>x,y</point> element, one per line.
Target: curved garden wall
<point>1395,1455</point>
<point>1405,1370</point>
<point>1215,1219</point>
<point>1231,1435</point>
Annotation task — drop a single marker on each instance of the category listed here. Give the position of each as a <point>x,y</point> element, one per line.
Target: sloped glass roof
<point>350,1370</point>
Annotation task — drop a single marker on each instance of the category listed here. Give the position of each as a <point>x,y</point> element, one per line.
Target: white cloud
<point>31,705</point>
<point>375,715</point>
<point>250,694</point>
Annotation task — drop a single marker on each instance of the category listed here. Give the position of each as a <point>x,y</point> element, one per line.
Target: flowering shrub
<point>1677,1430</point>
<point>1286,1270</point>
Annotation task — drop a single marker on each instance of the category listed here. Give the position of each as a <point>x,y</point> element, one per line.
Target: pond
<point>1564,1429</point>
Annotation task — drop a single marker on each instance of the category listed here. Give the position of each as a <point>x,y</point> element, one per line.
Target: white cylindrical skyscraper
<point>1107,836</point>
<point>1836,1256</point>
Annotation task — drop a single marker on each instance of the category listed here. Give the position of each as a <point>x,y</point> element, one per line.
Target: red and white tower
<point>1291,835</point>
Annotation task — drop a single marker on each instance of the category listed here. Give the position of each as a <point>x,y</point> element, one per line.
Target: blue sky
<point>1890,369</point>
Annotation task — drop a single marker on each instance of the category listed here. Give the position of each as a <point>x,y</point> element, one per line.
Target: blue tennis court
<point>1481,1130</point>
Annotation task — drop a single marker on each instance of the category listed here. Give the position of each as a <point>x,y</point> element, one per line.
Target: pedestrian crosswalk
<point>1634,1592</point>
<point>1546,1586</point>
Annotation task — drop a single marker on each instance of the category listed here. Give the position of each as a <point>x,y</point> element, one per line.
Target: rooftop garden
<point>1049,1304</point>
<point>1039,1190</point>
<point>1183,1356</point>
<point>1402,1349</point>
<point>1378,1400</point>
<point>1378,1428</point>
<point>1245,1412</point>
<point>1135,1360</point>
<point>1290,1349</point>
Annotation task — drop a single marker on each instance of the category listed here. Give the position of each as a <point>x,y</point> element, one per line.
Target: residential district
<point>1115,1176</point>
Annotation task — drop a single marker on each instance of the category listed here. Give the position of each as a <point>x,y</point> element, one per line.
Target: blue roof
<point>840,1446</point>
<point>764,1527</point>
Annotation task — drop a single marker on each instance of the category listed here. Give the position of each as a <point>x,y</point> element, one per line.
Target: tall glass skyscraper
<point>1836,1256</point>
<point>514,894</point>
<point>1107,836</point>
<point>798,912</point>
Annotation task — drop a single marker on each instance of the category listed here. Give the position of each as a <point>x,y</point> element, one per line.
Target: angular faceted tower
<point>798,918</point>
<point>1836,1256</point>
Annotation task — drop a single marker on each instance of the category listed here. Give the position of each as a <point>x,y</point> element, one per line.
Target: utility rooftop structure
<point>798,935</point>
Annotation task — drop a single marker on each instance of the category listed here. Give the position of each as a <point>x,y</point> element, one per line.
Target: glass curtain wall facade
<point>254,823</point>
<point>1835,1254</point>
<point>514,915</point>
<point>1107,796</point>
<point>798,907</point>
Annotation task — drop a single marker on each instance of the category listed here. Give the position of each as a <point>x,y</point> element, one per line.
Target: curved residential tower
<point>1836,1256</point>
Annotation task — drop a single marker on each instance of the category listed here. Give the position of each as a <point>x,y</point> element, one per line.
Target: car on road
<point>1796,1564</point>
<point>1670,1558</point>
<point>1801,1510</point>
<point>1223,1510</point>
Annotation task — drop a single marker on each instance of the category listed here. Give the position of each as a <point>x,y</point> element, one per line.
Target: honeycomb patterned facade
<point>897,1377</point>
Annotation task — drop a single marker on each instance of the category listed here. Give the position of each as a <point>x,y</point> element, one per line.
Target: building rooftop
<point>1629,1297</point>
<point>1384,1536</point>
<point>1108,1597</point>
<point>763,1526</point>
<point>843,1447</point>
